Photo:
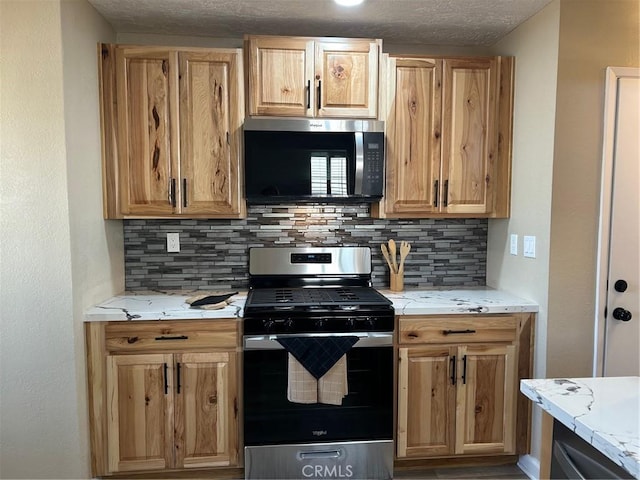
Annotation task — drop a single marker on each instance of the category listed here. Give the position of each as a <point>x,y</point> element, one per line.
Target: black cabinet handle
<point>172,192</point>
<point>319,94</point>
<point>457,332</point>
<point>308,94</point>
<point>464,370</point>
<point>452,367</point>
<point>445,198</point>
<point>184,192</point>
<point>178,368</point>
<point>166,382</point>
<point>435,193</point>
<point>176,337</point>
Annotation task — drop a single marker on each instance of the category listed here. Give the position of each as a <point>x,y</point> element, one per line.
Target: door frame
<point>613,74</point>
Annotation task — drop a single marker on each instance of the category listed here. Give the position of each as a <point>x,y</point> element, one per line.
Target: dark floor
<point>497,472</point>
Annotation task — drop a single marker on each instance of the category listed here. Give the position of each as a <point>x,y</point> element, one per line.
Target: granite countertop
<point>604,411</point>
<point>161,305</point>
<point>442,301</point>
<point>171,305</point>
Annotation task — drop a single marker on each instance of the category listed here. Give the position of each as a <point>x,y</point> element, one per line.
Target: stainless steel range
<point>318,366</point>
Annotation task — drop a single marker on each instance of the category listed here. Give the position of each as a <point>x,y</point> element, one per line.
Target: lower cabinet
<point>163,395</point>
<point>458,385</point>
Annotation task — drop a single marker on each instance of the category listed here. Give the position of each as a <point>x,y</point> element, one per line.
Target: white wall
<point>178,40</point>
<point>561,56</point>
<point>97,246</point>
<point>57,255</point>
<point>214,42</point>
<point>535,46</point>
<point>593,35</point>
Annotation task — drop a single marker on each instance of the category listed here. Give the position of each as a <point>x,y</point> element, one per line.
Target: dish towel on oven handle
<point>318,354</point>
<point>302,387</point>
<point>331,388</point>
<point>317,368</point>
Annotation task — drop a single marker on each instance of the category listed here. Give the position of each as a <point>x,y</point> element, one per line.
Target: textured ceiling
<point>431,22</point>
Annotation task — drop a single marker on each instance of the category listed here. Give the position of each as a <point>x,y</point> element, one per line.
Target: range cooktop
<point>315,297</point>
<point>307,289</point>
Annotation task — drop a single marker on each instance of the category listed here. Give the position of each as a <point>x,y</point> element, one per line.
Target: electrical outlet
<point>513,247</point>
<point>173,242</point>
<point>529,247</point>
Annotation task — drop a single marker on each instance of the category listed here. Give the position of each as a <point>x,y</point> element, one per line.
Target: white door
<point>620,262</point>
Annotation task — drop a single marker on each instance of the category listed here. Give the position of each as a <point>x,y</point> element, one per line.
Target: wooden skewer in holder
<point>396,281</point>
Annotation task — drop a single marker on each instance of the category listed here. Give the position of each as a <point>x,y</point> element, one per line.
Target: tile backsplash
<point>214,253</point>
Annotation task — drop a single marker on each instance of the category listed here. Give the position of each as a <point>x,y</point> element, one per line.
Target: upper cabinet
<point>171,123</point>
<point>313,77</point>
<point>448,124</point>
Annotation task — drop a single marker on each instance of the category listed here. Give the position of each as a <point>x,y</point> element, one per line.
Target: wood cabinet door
<point>281,76</point>
<point>346,78</point>
<point>210,125</point>
<point>146,79</point>
<point>426,401</point>
<point>469,134</point>
<point>486,398</point>
<point>205,413</point>
<point>413,136</point>
<point>139,412</point>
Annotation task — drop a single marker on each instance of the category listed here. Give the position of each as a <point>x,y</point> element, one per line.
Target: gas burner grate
<point>265,297</point>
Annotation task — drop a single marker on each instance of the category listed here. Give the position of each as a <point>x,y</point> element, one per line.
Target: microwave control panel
<point>373,175</point>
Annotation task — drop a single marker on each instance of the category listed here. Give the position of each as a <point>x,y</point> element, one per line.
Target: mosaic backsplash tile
<point>214,253</point>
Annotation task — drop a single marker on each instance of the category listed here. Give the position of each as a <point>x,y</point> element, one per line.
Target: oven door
<point>366,412</point>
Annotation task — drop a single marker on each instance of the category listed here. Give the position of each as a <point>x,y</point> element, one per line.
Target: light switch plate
<point>173,242</point>
<point>513,246</point>
<point>529,247</point>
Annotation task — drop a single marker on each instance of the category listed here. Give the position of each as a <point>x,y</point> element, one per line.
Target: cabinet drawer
<point>162,336</point>
<point>453,329</point>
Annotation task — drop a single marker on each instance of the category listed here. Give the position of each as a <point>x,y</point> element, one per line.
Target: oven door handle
<point>320,454</point>
<point>367,339</point>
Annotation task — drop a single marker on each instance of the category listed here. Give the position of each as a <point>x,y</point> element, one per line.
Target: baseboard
<point>530,466</point>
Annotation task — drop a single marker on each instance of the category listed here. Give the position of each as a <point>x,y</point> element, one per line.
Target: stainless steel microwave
<point>313,160</point>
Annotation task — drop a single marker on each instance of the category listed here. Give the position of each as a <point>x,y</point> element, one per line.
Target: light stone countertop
<point>161,305</point>
<point>604,411</point>
<point>447,301</point>
<point>171,305</point>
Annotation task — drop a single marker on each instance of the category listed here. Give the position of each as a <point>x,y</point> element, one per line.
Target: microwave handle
<point>359,137</point>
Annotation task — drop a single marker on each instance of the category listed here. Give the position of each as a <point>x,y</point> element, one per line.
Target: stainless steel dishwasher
<point>572,457</point>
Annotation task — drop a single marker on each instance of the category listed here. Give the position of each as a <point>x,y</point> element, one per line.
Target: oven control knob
<point>288,324</point>
<point>320,323</point>
<point>268,325</point>
<point>370,322</point>
<point>351,323</point>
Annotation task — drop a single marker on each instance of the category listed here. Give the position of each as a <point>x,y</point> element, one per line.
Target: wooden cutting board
<point>210,306</point>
